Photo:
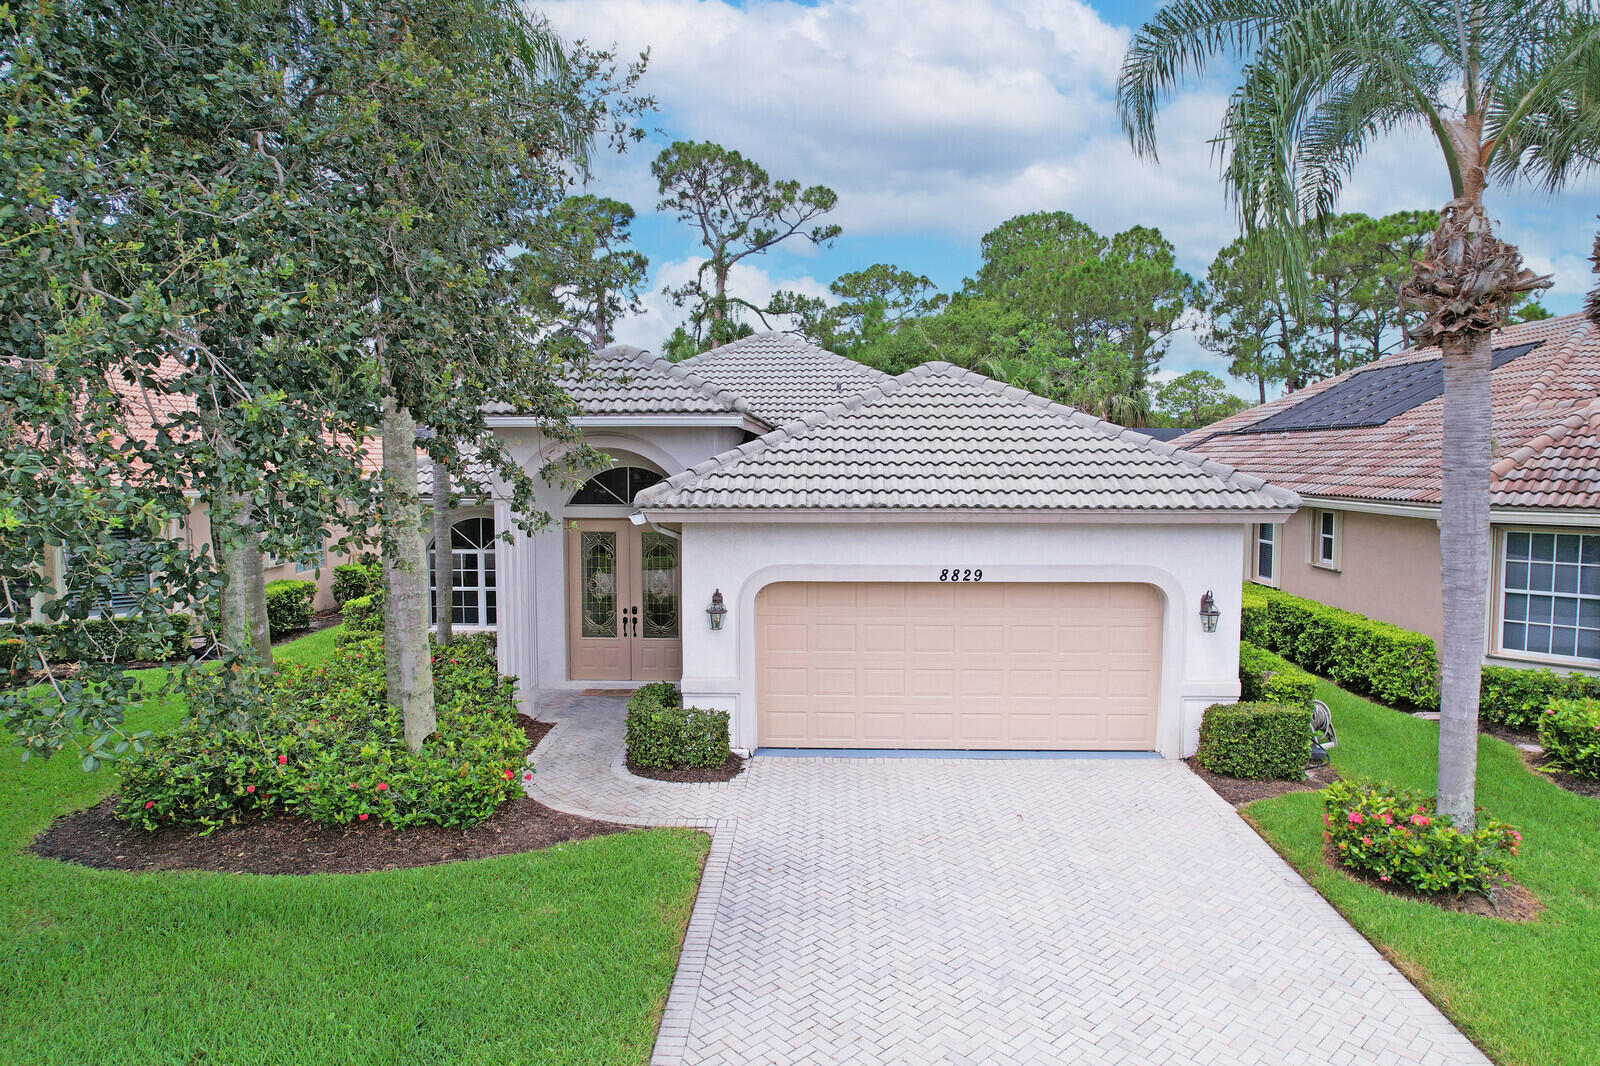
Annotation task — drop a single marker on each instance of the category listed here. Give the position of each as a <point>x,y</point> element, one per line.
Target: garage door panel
<point>993,665</point>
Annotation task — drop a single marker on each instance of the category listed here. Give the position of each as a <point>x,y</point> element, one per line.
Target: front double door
<point>624,610</point>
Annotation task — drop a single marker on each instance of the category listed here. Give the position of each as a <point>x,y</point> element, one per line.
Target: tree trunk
<point>443,557</point>
<point>256,593</point>
<point>407,660</point>
<point>716,307</point>
<point>1464,565</point>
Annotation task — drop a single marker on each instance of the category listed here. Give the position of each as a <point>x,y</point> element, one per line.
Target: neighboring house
<point>1363,451</point>
<point>934,560</point>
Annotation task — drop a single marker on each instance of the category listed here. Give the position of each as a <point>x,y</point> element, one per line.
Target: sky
<point>937,120</point>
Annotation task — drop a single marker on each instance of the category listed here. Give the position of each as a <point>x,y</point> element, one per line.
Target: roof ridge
<point>791,430</point>
<point>1232,475</point>
<point>1556,366</point>
<point>1586,416</point>
<point>727,397</point>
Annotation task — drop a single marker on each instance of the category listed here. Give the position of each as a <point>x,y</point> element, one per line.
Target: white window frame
<point>1335,536</point>
<point>315,564</point>
<point>486,563</point>
<point>1273,539</point>
<point>1497,613</point>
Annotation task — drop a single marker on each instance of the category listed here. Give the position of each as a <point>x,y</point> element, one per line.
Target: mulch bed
<point>1507,734</point>
<point>319,621</point>
<point>693,775</point>
<point>1511,902</point>
<point>94,837</point>
<point>1583,786</point>
<point>1239,791</point>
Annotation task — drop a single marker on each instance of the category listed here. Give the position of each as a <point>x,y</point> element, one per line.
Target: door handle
<point>633,613</point>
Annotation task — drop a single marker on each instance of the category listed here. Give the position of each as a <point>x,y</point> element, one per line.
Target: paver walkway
<point>986,911</point>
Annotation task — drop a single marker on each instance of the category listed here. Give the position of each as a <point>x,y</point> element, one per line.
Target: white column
<point>516,637</point>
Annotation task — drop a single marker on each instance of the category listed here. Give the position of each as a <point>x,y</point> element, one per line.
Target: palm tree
<point>1505,88</point>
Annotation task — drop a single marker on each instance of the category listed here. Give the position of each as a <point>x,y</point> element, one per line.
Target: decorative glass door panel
<point>624,603</point>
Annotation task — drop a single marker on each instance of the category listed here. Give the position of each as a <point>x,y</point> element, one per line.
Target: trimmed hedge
<point>351,581</point>
<point>1268,678</point>
<point>1374,658</point>
<point>329,747</point>
<point>363,617</point>
<point>663,734</point>
<point>103,640</point>
<point>1400,837</point>
<point>1517,698</point>
<point>1569,730</point>
<point>289,605</point>
<point>1255,740</point>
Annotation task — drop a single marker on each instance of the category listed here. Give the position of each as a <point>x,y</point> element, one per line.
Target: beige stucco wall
<point>197,532</point>
<point>1388,568</point>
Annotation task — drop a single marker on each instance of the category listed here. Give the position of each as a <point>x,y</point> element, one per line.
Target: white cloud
<point>655,323</point>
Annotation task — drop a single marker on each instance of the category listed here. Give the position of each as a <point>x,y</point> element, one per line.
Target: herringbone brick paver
<point>955,911</point>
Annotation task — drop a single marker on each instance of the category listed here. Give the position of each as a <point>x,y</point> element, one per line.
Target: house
<point>844,559</point>
<point>1363,451</point>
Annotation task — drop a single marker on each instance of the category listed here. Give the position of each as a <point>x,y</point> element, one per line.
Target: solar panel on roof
<point>1371,397</point>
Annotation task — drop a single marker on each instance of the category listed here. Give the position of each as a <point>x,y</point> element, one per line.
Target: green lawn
<point>1528,994</point>
<point>561,956</point>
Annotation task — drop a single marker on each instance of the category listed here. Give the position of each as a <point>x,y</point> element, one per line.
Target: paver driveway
<point>987,911</point>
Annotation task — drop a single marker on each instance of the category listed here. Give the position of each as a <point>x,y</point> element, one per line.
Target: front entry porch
<point>623,602</point>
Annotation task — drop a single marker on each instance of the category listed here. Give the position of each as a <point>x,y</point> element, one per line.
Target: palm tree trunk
<point>443,557</point>
<point>1464,565</point>
<point>408,663</point>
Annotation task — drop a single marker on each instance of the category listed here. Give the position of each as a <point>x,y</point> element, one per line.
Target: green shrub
<point>663,734</point>
<point>1268,678</point>
<point>111,640</point>
<point>1371,657</point>
<point>1399,837</point>
<point>354,580</point>
<point>289,606</point>
<point>329,747</point>
<point>10,651</point>
<point>1255,740</point>
<point>1569,730</point>
<point>363,616</point>
<point>1517,698</point>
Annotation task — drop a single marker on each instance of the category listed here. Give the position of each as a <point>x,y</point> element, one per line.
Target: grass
<point>1524,992</point>
<point>559,956</point>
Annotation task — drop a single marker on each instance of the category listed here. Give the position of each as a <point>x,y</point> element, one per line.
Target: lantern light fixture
<point>716,612</point>
<point>1208,612</point>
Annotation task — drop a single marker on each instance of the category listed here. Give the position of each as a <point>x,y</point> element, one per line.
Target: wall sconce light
<point>716,612</point>
<point>1208,612</point>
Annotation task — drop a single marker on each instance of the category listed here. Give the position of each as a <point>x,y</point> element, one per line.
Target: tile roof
<point>939,438</point>
<point>1546,413</point>
<point>624,380</point>
<point>783,376</point>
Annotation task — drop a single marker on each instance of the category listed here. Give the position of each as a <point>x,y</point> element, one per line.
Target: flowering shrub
<point>330,747</point>
<point>1399,837</point>
<point>1570,733</point>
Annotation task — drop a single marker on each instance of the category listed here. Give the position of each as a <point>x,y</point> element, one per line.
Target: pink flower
<point>1326,835</point>
<point>509,775</point>
<point>1367,841</point>
<point>352,786</point>
<point>1419,819</point>
<point>249,788</point>
<point>148,804</point>
<point>1327,819</point>
<point>362,816</point>
<point>1516,836</point>
<point>1383,877</point>
<point>382,787</point>
<point>1356,818</point>
<point>282,759</point>
<point>1387,819</point>
<point>528,776</point>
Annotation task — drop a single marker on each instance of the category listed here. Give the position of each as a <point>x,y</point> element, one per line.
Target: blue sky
<point>937,120</point>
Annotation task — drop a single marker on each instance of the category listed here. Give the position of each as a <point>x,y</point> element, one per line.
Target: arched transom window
<point>472,594</point>
<point>616,486</point>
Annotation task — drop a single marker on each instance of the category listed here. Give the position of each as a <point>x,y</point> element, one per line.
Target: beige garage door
<point>979,665</point>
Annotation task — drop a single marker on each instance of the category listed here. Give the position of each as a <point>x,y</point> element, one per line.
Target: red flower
<point>249,788</point>
<point>508,775</point>
<point>362,816</point>
<point>1367,841</point>
<point>382,787</point>
<point>149,803</point>
<point>282,759</point>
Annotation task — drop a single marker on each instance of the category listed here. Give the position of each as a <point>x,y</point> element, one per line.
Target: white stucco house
<point>934,560</point>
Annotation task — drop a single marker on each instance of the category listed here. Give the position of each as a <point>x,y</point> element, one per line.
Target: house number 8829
<point>961,575</point>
